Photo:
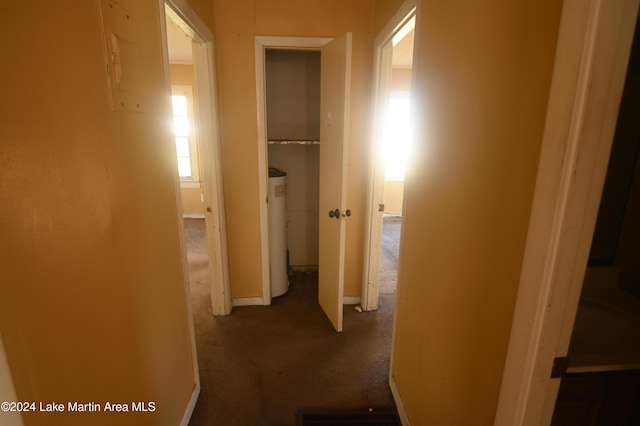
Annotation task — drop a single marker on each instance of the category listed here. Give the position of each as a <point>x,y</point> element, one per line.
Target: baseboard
<point>188,412</point>
<point>303,268</point>
<point>404,419</point>
<point>259,301</point>
<point>248,301</point>
<point>193,216</point>
<point>351,300</point>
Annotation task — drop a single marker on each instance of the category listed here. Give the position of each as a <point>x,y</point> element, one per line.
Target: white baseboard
<point>193,216</point>
<point>248,301</point>
<point>351,300</point>
<point>404,419</point>
<point>186,418</point>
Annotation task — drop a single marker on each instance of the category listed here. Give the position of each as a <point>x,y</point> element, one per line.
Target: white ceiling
<point>179,45</point>
<point>402,56</point>
<point>180,48</point>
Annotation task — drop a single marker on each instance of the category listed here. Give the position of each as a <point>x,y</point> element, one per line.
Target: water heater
<point>278,232</point>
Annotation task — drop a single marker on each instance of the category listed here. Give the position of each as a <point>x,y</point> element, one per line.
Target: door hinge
<point>380,207</point>
<point>560,365</point>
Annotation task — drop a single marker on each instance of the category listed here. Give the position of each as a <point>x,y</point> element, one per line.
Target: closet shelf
<point>291,142</point>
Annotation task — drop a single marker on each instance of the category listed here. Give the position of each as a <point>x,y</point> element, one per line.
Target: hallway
<point>260,364</point>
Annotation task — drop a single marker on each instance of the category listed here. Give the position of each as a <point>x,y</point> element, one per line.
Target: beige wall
<point>92,293</point>
<point>204,9</point>
<point>483,72</point>
<point>393,193</point>
<point>236,25</point>
<point>384,11</point>
<point>192,204</point>
<point>292,85</point>
<point>401,79</point>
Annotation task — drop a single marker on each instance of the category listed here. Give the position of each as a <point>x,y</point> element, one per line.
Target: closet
<point>292,85</point>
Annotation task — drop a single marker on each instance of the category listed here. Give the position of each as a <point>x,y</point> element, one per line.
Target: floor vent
<point>368,417</point>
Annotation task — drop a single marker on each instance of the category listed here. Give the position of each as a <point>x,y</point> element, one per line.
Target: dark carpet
<point>368,417</point>
<point>261,364</point>
<point>391,225</point>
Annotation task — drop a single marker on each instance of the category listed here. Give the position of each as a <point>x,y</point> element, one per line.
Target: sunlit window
<point>184,130</point>
<point>181,129</point>
<point>397,135</point>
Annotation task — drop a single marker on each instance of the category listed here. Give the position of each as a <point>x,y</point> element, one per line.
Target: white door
<point>335,79</point>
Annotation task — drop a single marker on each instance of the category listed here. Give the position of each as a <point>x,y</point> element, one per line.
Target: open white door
<point>334,107</point>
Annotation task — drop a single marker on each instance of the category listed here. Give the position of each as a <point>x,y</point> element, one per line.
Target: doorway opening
<point>592,54</point>
<point>321,101</point>
<point>190,70</point>
<point>191,181</point>
<point>288,90</point>
<point>190,81</point>
<point>602,384</point>
<point>391,148</point>
<point>292,86</point>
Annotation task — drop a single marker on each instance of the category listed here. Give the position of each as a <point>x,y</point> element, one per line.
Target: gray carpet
<point>259,365</point>
<point>391,225</point>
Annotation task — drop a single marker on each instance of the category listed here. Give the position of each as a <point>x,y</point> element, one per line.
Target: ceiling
<point>402,56</point>
<point>179,45</point>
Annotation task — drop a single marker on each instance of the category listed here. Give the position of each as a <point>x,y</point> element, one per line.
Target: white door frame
<point>261,44</point>
<point>592,53</point>
<point>382,58</point>
<point>211,172</point>
<point>205,94</point>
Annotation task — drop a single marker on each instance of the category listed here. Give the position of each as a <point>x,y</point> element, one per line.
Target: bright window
<point>397,135</point>
<point>186,147</point>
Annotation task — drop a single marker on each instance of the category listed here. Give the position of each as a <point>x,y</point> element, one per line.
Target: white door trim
<point>375,192</point>
<point>205,93</point>
<point>262,43</point>
<point>213,193</point>
<point>370,286</point>
<point>591,58</point>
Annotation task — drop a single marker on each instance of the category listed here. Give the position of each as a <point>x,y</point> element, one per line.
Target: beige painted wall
<point>393,193</point>
<point>92,292</point>
<point>401,79</point>
<point>483,73</point>
<point>292,85</point>
<point>384,11</point>
<point>204,9</point>
<point>236,25</point>
<point>192,204</point>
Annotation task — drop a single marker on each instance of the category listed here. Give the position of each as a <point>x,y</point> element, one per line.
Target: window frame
<point>187,92</point>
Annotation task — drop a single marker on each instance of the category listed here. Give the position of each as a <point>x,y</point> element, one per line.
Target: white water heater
<point>278,232</point>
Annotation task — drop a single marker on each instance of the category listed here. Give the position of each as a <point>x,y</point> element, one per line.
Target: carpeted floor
<point>391,225</point>
<point>261,364</point>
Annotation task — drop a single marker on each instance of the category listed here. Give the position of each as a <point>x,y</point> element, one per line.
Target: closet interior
<point>292,82</point>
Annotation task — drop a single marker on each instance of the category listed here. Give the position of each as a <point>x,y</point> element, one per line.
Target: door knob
<point>334,213</point>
